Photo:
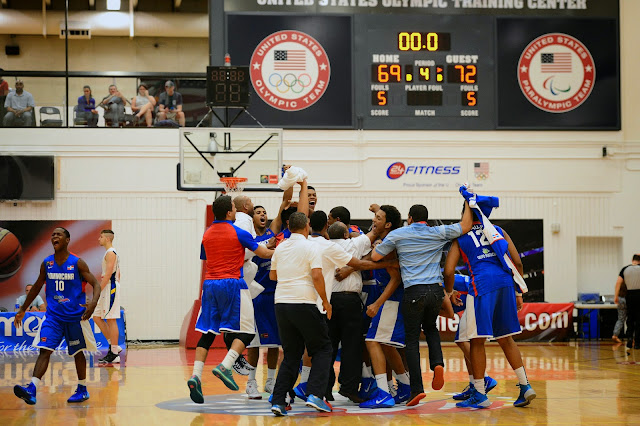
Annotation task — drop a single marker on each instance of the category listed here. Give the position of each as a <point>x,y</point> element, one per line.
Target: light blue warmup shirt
<point>419,248</point>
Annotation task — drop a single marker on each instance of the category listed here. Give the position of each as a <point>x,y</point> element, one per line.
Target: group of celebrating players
<point>312,283</point>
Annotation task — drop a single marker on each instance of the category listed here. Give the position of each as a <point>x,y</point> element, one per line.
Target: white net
<point>233,185</point>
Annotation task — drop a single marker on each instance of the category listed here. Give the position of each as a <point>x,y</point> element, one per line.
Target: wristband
<point>518,294</point>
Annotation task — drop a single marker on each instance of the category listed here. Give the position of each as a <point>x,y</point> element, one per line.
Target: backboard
<point>208,153</point>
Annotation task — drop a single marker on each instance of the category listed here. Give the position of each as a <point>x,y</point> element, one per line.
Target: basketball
<point>10,254</point>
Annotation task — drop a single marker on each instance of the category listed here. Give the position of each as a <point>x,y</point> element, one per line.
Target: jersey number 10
<point>60,285</point>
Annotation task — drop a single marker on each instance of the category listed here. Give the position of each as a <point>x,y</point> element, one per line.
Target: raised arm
<point>453,257</point>
<point>37,286</point>
<point>303,203</point>
<point>467,218</point>
<point>276,223</point>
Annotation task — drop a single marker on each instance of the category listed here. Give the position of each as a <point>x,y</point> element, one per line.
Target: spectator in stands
<point>4,91</point>
<point>87,107</point>
<point>170,104</point>
<point>37,304</point>
<point>19,106</point>
<point>113,105</point>
<point>143,105</point>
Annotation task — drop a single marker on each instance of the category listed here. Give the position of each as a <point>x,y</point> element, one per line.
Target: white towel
<point>291,176</point>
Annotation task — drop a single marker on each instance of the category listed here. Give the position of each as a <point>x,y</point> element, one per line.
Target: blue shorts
<point>492,315</point>
<point>78,335</point>
<point>264,309</point>
<point>387,326</point>
<point>370,294</point>
<point>226,306</point>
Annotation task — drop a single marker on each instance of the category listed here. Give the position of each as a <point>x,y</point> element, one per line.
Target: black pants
<point>302,325</point>
<point>345,327</point>
<point>633,315</point>
<point>420,308</point>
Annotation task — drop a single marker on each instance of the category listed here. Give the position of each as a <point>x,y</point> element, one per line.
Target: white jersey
<point>115,276</point>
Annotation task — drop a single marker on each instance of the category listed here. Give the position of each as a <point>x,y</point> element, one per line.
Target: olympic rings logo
<point>289,81</point>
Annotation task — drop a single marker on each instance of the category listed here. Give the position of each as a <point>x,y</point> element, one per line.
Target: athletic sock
<point>82,382</point>
<point>304,375</point>
<point>381,381</point>
<point>197,368</point>
<point>366,371</point>
<point>479,385</point>
<point>252,374</point>
<point>403,378</point>
<point>35,381</point>
<point>470,379</point>
<point>522,376</point>
<point>115,349</point>
<point>231,357</point>
<point>271,373</point>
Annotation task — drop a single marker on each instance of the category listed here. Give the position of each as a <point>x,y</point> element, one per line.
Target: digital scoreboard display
<point>405,66</point>
<point>228,86</point>
<point>426,72</point>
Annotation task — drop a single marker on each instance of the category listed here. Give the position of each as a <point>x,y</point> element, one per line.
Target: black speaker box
<point>12,50</point>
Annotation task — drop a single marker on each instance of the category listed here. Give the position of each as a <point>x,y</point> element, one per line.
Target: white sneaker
<point>252,390</point>
<point>268,386</point>
<point>242,366</point>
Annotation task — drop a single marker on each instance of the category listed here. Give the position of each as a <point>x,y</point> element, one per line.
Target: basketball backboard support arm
<point>225,122</point>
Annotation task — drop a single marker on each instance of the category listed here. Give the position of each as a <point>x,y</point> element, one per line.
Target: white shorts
<point>108,306</point>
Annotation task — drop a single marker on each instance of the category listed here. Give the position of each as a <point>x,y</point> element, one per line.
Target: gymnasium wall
<point>128,176</point>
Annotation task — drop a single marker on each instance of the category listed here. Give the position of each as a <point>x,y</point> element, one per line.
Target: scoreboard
<point>422,65</point>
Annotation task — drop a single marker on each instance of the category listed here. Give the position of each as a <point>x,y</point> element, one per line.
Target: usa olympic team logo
<point>290,70</point>
<point>396,170</point>
<point>556,73</point>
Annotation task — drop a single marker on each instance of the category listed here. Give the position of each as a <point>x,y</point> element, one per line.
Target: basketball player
<point>108,310</point>
<point>386,330</point>
<point>66,316</point>
<point>226,302</point>
<point>491,309</point>
<point>265,314</point>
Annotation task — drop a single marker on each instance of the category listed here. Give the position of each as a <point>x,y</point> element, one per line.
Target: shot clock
<point>228,86</point>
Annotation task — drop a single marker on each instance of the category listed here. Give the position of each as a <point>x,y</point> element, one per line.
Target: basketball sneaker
<point>415,398</point>
<point>527,394</point>
<point>489,383</point>
<point>476,400</point>
<point>26,393</point>
<point>226,376</point>
<point>317,403</point>
<point>403,393</point>
<point>379,399</point>
<point>242,366</point>
<point>110,358</point>
<point>301,391</point>
<point>269,384</point>
<point>367,388</point>
<point>81,394</point>
<point>195,390</point>
<point>252,390</point>
<point>279,410</point>
<point>465,394</point>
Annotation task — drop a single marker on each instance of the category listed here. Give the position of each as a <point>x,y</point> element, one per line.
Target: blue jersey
<point>382,278</point>
<point>264,266</point>
<point>64,289</point>
<point>484,266</point>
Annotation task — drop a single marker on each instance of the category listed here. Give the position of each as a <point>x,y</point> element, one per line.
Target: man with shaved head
<point>19,106</point>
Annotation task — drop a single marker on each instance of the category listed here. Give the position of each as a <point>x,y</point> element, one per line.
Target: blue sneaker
<point>465,394</point>
<point>301,391</point>
<point>380,399</point>
<point>403,394</point>
<point>279,410</point>
<point>476,400</point>
<point>489,383</point>
<point>527,394</point>
<point>367,388</point>
<point>226,376</point>
<point>81,394</point>
<point>195,390</point>
<point>318,404</point>
<point>27,393</point>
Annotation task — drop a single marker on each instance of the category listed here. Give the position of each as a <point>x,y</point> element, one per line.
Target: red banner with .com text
<point>546,322</point>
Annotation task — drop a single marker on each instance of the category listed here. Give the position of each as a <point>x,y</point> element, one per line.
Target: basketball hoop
<point>233,185</point>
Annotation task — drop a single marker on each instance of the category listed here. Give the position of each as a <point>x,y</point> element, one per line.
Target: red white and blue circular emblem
<point>290,70</point>
<point>556,73</point>
<point>396,170</point>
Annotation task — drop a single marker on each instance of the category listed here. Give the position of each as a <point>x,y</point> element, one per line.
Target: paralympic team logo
<point>556,72</point>
<point>290,70</point>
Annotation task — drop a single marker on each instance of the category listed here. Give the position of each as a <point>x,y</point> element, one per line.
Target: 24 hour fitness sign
<point>290,70</point>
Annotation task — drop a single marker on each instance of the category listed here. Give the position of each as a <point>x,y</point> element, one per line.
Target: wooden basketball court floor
<point>576,383</point>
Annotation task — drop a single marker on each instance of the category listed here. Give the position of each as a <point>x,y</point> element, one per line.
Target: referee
<point>297,267</point>
<point>630,276</point>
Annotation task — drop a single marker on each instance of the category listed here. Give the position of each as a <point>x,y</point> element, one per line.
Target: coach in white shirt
<point>297,267</point>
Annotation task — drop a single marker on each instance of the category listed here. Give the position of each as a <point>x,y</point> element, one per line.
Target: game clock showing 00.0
<point>422,77</point>
<point>228,86</point>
